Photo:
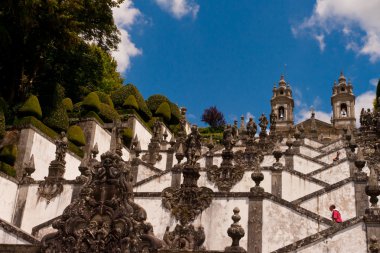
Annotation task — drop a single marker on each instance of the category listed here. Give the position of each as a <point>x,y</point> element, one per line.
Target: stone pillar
<point>277,182</point>
<point>22,195</point>
<point>135,169</point>
<point>24,148</point>
<point>176,176</point>
<point>89,128</point>
<point>255,220</point>
<point>361,199</point>
<point>372,222</point>
<point>169,158</point>
<point>209,160</point>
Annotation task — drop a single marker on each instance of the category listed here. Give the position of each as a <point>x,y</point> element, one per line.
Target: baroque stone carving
<point>104,217</point>
<point>52,185</point>
<point>227,175</point>
<point>184,238</point>
<point>188,201</point>
<point>29,169</point>
<point>154,146</point>
<point>236,232</point>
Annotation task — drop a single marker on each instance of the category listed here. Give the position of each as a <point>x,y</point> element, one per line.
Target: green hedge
<point>127,136</point>
<point>164,111</point>
<point>31,107</point>
<point>68,104</point>
<point>107,113</point>
<point>26,121</point>
<point>8,154</point>
<point>75,135</point>
<point>156,100</point>
<point>57,119</point>
<point>93,115</point>
<point>120,95</point>
<point>131,103</point>
<point>7,169</point>
<point>104,98</point>
<point>91,102</point>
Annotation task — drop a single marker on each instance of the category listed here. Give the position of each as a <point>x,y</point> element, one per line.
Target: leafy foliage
<point>164,111</point>
<point>120,95</point>
<point>57,117</point>
<point>68,104</point>
<point>31,107</point>
<point>91,102</point>
<point>104,98</point>
<point>155,101</point>
<point>127,136</point>
<point>107,113</point>
<point>7,169</point>
<point>75,135</point>
<point>213,117</point>
<point>131,103</point>
<point>8,154</point>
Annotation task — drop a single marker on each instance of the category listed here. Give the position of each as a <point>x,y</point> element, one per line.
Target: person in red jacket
<point>335,214</point>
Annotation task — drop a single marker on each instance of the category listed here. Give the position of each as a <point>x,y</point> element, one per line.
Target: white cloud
<point>179,8</point>
<point>365,101</point>
<point>125,16</point>
<point>347,16</point>
<point>374,81</point>
<point>321,41</point>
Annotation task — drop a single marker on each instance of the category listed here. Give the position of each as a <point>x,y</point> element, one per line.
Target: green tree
<point>37,35</point>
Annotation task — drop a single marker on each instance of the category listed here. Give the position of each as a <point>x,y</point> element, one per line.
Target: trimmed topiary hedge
<point>57,119</point>
<point>93,115</point>
<point>104,98</point>
<point>127,136</point>
<point>120,95</point>
<point>131,103</point>
<point>156,100</point>
<point>91,102</point>
<point>68,104</point>
<point>75,135</point>
<point>107,113</point>
<point>8,154</point>
<point>7,169</point>
<point>31,107</point>
<point>164,111</point>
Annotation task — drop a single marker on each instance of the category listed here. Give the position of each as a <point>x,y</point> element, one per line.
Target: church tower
<point>343,104</point>
<point>282,104</point>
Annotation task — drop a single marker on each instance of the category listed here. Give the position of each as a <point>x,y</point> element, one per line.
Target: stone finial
<point>29,169</point>
<point>95,151</point>
<point>373,188</point>
<point>165,135</point>
<point>289,143</point>
<point>172,141</point>
<point>136,146</point>
<point>277,153</point>
<point>180,154</point>
<point>236,232</point>
<point>374,246</point>
<point>297,133</point>
<point>257,176</point>
<point>193,146</point>
<point>242,123</point>
<point>360,162</point>
<point>210,144</point>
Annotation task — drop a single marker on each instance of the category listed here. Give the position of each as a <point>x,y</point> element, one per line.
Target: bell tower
<point>282,105</point>
<point>343,104</point>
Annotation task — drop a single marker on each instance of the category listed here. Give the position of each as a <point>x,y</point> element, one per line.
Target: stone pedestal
<point>176,176</point>
<point>255,220</point>
<point>169,159</point>
<point>361,198</point>
<point>277,182</point>
<point>209,160</point>
<point>372,221</point>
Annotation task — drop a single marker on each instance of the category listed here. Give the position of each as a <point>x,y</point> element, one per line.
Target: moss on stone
<point>107,113</point>
<point>8,154</point>
<point>91,102</point>
<point>31,107</point>
<point>68,104</point>
<point>164,111</point>
<point>104,98</point>
<point>75,135</point>
<point>120,95</point>
<point>7,169</point>
<point>131,103</point>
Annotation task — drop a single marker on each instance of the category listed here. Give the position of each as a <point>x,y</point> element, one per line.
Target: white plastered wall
<point>335,174</point>
<point>144,172</point>
<point>333,146</point>
<point>283,226</point>
<point>305,166</point>
<point>294,187</point>
<point>343,198</point>
<point>103,139</point>
<point>155,185</point>
<point>37,210</point>
<point>330,157</point>
<point>352,239</point>
<point>8,193</point>
<point>142,133</point>
<point>312,143</point>
<point>309,152</point>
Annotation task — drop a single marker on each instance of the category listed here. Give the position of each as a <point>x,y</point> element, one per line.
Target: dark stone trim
<point>17,248</point>
<point>151,167</point>
<point>323,191</point>
<point>255,225</point>
<point>329,152</point>
<point>329,144</point>
<point>311,159</point>
<point>14,180</point>
<point>22,195</point>
<point>45,224</point>
<point>323,235</point>
<point>18,232</point>
<point>315,172</point>
<point>312,148</point>
<point>306,177</point>
<point>151,178</point>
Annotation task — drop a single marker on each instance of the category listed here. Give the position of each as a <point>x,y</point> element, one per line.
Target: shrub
<point>154,101</point>
<point>7,169</point>
<point>127,136</point>
<point>8,154</point>
<point>164,111</point>
<point>91,102</point>
<point>131,103</point>
<point>104,98</point>
<point>75,135</point>
<point>68,104</point>
<point>57,119</point>
<point>213,117</point>
<point>94,115</point>
<point>31,107</point>
<point>107,113</point>
<point>120,95</point>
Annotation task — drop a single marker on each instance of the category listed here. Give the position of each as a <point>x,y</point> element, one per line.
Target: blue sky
<point>230,53</point>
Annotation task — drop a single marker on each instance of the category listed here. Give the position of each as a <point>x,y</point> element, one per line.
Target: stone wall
<point>8,194</point>
<point>294,187</point>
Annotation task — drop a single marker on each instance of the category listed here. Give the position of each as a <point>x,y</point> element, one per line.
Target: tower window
<point>343,110</point>
<point>281,92</point>
<point>342,89</point>
<point>281,113</point>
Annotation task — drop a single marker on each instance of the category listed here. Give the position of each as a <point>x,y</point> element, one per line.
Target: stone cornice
<point>314,160</point>
<point>307,177</point>
<point>14,180</point>
<point>45,224</point>
<point>18,232</point>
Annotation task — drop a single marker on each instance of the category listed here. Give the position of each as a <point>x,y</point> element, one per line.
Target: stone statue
<point>235,131</point>
<point>228,140</point>
<point>263,123</point>
<point>61,148</point>
<point>193,146</point>
<point>251,128</point>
